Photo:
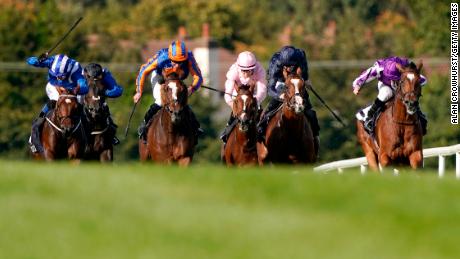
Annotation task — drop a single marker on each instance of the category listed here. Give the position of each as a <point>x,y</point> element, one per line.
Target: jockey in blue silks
<point>62,72</point>
<point>388,76</point>
<point>95,72</point>
<point>288,57</point>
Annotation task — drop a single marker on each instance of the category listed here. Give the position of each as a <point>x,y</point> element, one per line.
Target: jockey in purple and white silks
<point>243,71</point>
<point>288,57</point>
<point>62,72</point>
<point>388,76</point>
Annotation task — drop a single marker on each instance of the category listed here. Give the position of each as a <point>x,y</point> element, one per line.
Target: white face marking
<point>296,83</point>
<point>96,98</point>
<point>67,100</point>
<point>297,98</point>
<point>173,87</point>
<point>245,98</point>
<point>410,76</point>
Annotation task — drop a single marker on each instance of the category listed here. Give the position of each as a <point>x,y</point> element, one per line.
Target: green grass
<point>147,211</point>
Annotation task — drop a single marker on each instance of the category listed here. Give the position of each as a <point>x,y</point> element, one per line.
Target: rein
<point>61,130</point>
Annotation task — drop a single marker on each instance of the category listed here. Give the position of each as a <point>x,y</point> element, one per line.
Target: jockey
<point>62,72</point>
<point>245,69</point>
<point>174,59</point>
<point>388,76</point>
<point>287,57</point>
<point>95,72</point>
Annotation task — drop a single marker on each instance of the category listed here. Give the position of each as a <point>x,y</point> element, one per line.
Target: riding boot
<point>113,127</point>
<point>228,128</point>
<point>37,124</point>
<point>316,145</point>
<point>263,123</point>
<point>371,115</point>
<point>34,140</point>
<point>314,124</point>
<point>142,130</point>
<point>195,123</point>
<point>423,121</point>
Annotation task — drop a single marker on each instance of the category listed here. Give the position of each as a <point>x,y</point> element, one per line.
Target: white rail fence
<point>440,152</point>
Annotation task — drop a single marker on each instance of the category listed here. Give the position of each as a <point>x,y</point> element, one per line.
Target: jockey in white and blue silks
<point>288,57</point>
<point>388,76</point>
<point>62,72</point>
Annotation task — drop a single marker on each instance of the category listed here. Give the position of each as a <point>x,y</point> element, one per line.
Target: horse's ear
<point>400,68</point>
<point>299,71</point>
<point>419,66</point>
<point>61,90</point>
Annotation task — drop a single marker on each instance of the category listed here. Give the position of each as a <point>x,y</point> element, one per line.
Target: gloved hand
<point>43,57</point>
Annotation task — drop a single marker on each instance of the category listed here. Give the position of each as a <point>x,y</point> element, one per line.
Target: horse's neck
<point>247,138</point>
<point>399,113</point>
<point>288,116</point>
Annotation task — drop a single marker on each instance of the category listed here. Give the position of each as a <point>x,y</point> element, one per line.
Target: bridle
<point>60,119</point>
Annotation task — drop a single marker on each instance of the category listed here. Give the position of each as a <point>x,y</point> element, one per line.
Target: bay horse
<point>398,132</point>
<point>170,134</point>
<point>240,148</point>
<point>99,132</point>
<point>289,137</point>
<point>62,135</point>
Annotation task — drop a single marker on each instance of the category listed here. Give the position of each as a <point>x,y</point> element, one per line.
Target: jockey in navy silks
<point>292,58</point>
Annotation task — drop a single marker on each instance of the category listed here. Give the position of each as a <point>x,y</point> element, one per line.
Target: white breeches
<point>385,92</point>
<point>53,93</point>
<point>156,88</point>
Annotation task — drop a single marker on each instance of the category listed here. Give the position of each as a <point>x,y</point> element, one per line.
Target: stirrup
<point>368,126</point>
<point>115,141</point>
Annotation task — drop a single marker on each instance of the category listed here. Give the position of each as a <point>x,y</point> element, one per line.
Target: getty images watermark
<point>454,63</point>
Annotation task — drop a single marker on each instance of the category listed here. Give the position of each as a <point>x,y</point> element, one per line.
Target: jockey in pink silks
<point>245,69</point>
<point>388,75</point>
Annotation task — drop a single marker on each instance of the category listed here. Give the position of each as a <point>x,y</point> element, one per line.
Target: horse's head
<point>174,96</point>
<point>95,98</point>
<point>295,88</point>
<point>245,106</point>
<point>409,89</point>
<point>67,112</point>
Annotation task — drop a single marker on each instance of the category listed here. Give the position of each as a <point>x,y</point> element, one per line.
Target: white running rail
<point>440,152</point>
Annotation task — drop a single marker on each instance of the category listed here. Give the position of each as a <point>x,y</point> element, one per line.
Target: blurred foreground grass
<point>208,211</point>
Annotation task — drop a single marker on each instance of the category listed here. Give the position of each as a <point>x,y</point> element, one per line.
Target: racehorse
<point>240,148</point>
<point>62,134</point>
<point>170,135</point>
<point>289,137</point>
<point>99,132</point>
<point>398,133</point>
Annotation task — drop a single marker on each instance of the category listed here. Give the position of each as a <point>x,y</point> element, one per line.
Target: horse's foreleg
<point>416,159</point>
<point>262,153</point>
<point>184,161</point>
<point>106,155</point>
<point>143,151</point>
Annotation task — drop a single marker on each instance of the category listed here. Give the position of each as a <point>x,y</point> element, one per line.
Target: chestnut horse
<point>98,130</point>
<point>62,135</point>
<point>240,148</point>
<point>398,132</point>
<point>289,137</point>
<point>170,135</point>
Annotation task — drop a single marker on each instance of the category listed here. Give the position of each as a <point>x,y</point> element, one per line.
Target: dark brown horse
<point>398,132</point>
<point>170,135</point>
<point>289,138</point>
<point>99,132</point>
<point>62,134</point>
<point>240,148</point>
